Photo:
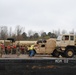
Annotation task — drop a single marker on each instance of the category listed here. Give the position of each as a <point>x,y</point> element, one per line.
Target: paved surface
<point>25,56</point>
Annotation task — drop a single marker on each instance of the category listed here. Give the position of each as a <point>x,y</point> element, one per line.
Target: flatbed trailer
<point>37,65</point>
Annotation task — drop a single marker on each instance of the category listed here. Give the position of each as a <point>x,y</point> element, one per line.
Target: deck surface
<point>37,65</point>
<point>26,56</point>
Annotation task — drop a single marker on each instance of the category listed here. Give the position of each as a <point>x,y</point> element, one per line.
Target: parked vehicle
<point>45,46</point>
<point>64,45</point>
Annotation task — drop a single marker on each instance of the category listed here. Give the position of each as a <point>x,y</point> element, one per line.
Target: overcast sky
<point>37,15</point>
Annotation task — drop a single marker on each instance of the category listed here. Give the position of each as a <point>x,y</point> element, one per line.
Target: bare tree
<point>43,34</point>
<point>24,36</point>
<point>30,33</point>
<point>10,32</point>
<point>3,32</point>
<point>14,36</point>
<point>36,35</point>
<point>19,31</point>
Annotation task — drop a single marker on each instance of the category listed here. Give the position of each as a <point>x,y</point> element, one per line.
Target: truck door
<point>42,48</point>
<point>65,40</point>
<point>72,38</point>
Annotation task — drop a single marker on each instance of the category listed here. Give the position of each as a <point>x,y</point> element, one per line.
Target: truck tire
<point>56,53</point>
<point>69,53</point>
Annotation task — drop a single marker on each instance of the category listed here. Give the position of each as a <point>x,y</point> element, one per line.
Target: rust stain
<point>52,66</point>
<point>44,67</point>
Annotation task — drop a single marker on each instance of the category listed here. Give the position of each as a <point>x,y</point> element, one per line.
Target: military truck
<point>64,45</point>
<point>45,46</point>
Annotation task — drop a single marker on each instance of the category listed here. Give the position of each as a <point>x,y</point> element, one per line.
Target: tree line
<point>20,34</point>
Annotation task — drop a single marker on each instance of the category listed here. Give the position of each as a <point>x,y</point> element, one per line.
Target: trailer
<point>37,66</point>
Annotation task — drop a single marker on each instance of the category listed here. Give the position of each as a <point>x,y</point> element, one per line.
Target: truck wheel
<point>69,53</point>
<point>62,54</point>
<point>56,53</point>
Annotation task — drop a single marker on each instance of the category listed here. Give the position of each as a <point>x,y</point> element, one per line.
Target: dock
<point>37,65</point>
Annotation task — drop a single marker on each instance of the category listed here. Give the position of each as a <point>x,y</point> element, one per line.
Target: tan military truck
<point>64,45</point>
<point>45,46</point>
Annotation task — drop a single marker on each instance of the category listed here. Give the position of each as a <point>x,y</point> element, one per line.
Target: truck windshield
<point>59,38</point>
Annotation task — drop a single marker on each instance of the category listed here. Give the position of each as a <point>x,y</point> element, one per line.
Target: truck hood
<point>58,43</point>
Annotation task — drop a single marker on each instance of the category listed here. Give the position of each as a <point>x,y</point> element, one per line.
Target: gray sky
<point>39,15</point>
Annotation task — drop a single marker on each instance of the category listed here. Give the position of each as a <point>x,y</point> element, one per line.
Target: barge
<point>38,65</point>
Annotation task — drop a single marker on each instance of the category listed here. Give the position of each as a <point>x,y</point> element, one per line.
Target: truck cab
<point>66,44</point>
<point>64,40</point>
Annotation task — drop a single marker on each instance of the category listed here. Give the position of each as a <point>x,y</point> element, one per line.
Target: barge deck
<point>38,65</point>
